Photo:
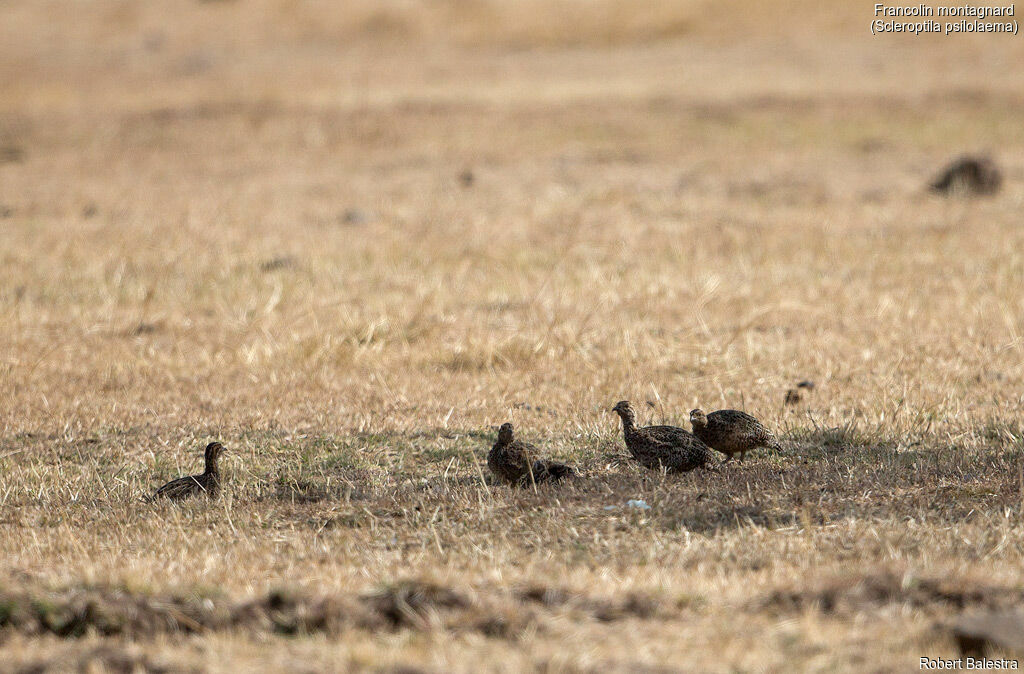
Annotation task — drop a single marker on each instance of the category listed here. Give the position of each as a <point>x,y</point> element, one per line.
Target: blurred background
<point>452,185</point>
<point>242,177</point>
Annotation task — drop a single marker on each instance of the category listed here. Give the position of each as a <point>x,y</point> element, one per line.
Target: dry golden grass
<point>246,221</point>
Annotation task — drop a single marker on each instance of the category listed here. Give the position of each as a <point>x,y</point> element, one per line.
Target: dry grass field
<point>350,239</point>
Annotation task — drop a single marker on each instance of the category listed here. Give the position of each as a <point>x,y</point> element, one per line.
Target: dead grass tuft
<point>847,596</point>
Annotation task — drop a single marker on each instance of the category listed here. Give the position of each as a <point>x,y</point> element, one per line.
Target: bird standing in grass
<point>732,432</point>
<point>515,462</point>
<point>208,482</point>
<point>658,447</point>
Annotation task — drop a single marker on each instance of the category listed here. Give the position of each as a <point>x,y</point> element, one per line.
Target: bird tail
<point>712,463</point>
<point>549,470</point>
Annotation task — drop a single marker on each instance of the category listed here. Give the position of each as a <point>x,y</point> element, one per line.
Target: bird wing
<point>523,454</point>
<point>757,431</point>
<point>672,436</point>
<point>739,427</point>
<point>733,415</point>
<point>181,487</point>
<point>552,470</point>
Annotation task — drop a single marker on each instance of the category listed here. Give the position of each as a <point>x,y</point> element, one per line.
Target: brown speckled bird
<point>208,482</point>
<point>732,432</point>
<point>515,462</point>
<point>657,447</point>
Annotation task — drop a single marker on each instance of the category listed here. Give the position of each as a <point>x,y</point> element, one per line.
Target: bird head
<point>213,450</point>
<point>698,418</point>
<point>624,409</point>
<point>505,433</point>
